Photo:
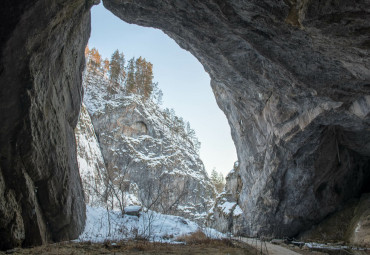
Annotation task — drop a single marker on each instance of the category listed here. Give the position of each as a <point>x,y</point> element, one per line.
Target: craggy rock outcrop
<point>293,78</point>
<point>90,161</point>
<point>226,216</point>
<point>41,60</point>
<point>149,158</point>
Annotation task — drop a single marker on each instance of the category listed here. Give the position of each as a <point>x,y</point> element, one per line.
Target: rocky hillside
<point>139,154</point>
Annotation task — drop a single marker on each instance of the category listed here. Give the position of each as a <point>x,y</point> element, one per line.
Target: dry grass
<point>200,238</point>
<point>214,247</point>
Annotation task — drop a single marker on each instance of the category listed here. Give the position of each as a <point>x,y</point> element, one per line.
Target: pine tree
<point>106,66</point>
<point>143,78</point>
<point>147,79</point>
<point>157,94</point>
<point>139,75</point>
<point>122,74</point>
<point>217,180</point>
<point>115,67</point>
<point>130,80</point>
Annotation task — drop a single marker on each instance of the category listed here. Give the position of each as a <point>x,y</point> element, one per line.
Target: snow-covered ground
<point>102,225</point>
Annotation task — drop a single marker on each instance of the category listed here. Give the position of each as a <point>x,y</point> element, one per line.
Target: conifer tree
<point>157,94</point>
<point>143,78</point>
<point>115,67</point>
<point>139,77</point>
<point>95,59</point>
<point>217,180</point>
<point>106,66</point>
<point>147,79</point>
<point>130,80</point>
<point>122,74</point>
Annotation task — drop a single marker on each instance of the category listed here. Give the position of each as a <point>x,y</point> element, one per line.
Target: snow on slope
<point>102,225</point>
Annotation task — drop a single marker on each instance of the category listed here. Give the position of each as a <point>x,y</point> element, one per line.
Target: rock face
<point>90,160</point>
<point>42,56</point>
<point>147,156</point>
<point>293,78</point>
<point>226,216</point>
<point>352,224</point>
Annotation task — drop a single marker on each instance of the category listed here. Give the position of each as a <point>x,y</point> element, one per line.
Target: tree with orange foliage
<point>130,81</point>
<point>87,52</point>
<point>144,77</point>
<point>95,59</point>
<point>106,66</point>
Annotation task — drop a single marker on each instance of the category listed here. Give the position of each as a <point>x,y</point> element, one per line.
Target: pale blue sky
<point>185,84</point>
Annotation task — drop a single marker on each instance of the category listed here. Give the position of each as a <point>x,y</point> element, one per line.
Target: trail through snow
<point>272,249</point>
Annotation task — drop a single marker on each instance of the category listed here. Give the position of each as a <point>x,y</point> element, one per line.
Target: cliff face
<point>42,56</point>
<point>293,80</point>
<point>144,151</point>
<point>90,160</point>
<point>226,216</point>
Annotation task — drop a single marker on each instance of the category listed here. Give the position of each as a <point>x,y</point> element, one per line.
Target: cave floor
<point>148,248</point>
<point>136,247</point>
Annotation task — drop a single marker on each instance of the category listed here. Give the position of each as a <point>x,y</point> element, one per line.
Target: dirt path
<point>272,249</point>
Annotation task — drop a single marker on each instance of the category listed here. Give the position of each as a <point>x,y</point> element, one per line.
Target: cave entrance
<point>180,76</point>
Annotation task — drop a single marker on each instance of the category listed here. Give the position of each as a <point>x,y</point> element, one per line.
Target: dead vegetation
<point>199,238</point>
<point>200,245</point>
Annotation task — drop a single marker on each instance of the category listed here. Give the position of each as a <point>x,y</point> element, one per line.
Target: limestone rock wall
<point>293,80</point>
<point>226,216</point>
<point>41,59</point>
<point>143,146</point>
<point>90,161</point>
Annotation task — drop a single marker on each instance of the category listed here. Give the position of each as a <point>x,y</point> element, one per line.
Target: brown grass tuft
<point>199,237</point>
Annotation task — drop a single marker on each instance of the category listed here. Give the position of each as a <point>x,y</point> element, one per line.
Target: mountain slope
<point>147,155</point>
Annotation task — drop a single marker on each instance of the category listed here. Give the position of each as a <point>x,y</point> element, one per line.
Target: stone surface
<point>42,56</point>
<point>90,161</point>
<point>351,225</point>
<point>293,79</point>
<point>360,232</point>
<point>226,216</point>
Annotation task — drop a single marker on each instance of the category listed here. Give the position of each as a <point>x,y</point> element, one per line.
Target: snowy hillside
<point>102,225</point>
<point>139,155</point>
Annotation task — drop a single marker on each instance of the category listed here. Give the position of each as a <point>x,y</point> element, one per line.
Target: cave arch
<point>284,73</point>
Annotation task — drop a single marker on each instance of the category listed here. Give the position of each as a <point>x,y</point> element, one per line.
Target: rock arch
<point>292,77</point>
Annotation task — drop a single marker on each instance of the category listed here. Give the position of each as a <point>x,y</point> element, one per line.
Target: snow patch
<point>102,225</point>
<point>227,207</point>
